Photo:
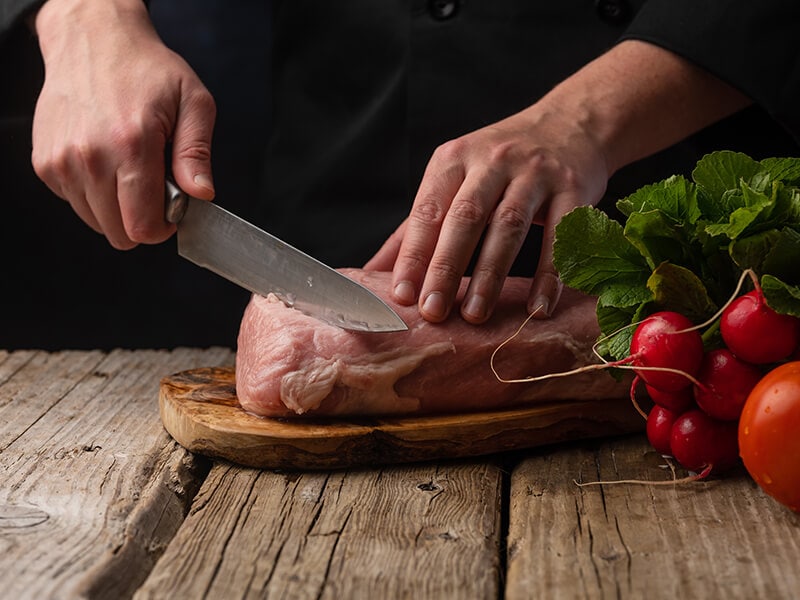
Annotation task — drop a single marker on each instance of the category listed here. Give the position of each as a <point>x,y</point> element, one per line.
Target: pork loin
<point>289,364</point>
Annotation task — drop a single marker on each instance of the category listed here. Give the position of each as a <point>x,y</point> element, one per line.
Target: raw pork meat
<point>289,364</point>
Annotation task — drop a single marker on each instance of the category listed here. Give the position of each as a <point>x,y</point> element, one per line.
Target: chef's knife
<point>218,240</point>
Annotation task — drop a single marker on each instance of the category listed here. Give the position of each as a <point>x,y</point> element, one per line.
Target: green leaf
<point>781,297</point>
<point>656,237</point>
<point>750,252</point>
<point>786,170</point>
<point>678,289</point>
<point>783,259</point>
<point>754,207</point>
<point>787,205</point>
<point>676,197</point>
<point>592,255</point>
<point>616,329</point>
<point>721,171</point>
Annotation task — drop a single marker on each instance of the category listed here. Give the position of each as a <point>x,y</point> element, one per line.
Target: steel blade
<point>218,240</point>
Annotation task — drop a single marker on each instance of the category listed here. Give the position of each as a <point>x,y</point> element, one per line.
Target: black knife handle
<point>175,202</point>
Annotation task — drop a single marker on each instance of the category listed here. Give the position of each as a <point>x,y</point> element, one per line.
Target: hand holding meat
<point>536,166</point>
<point>113,97</point>
<point>289,364</point>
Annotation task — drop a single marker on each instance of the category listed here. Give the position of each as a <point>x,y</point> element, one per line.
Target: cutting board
<point>200,410</point>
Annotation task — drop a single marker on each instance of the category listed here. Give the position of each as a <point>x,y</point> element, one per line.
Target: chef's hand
<point>113,97</point>
<point>484,190</point>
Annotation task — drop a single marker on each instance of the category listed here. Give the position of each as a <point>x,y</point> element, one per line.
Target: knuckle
<point>413,261</point>
<point>90,156</point>
<point>128,137</point>
<point>198,150</point>
<point>469,210</point>
<point>512,219</point>
<point>427,211</point>
<point>450,151</point>
<point>203,100</point>
<point>502,153</point>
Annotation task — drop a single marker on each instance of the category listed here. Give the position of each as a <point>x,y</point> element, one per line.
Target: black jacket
<point>355,96</point>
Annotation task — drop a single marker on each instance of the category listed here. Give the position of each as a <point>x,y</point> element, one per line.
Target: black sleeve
<point>750,44</point>
<point>13,11</point>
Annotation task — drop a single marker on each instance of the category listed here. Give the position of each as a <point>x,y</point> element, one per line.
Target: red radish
<point>677,401</point>
<point>656,344</point>
<point>725,382</point>
<point>699,442</point>
<point>659,428</point>
<point>756,333</point>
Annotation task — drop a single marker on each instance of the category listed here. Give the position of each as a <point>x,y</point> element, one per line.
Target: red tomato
<point>769,434</point>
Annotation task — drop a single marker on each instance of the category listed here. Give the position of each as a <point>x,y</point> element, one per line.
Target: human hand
<point>114,96</point>
<point>535,166</point>
<point>483,191</point>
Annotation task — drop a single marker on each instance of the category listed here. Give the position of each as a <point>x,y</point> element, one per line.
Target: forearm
<point>638,99</point>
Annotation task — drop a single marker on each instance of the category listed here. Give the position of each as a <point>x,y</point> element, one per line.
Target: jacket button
<point>613,12</point>
<point>442,10</point>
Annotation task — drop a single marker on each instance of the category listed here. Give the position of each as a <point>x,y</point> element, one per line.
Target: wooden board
<point>200,410</point>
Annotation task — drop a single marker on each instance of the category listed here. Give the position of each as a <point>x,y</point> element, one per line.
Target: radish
<point>666,341</point>
<point>659,428</point>
<point>757,334</point>
<point>665,352</point>
<point>725,382</point>
<point>677,401</point>
<point>703,444</point>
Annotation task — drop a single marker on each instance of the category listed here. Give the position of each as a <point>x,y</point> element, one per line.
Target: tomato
<point>769,434</point>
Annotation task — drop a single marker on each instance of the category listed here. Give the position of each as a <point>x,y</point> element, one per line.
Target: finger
<point>91,189</point>
<point>422,228</point>
<point>101,198</point>
<point>384,258</point>
<point>547,286</point>
<point>191,144</point>
<point>139,183</point>
<point>461,232</point>
<point>505,235</point>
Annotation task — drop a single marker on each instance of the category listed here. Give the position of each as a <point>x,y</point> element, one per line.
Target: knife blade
<point>214,238</point>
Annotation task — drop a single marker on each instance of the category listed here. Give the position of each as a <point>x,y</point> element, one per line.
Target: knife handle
<point>175,202</point>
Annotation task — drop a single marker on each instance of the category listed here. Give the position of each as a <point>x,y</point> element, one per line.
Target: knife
<point>212,237</point>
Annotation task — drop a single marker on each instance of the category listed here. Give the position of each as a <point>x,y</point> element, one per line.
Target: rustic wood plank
<point>36,381</point>
<point>91,486</point>
<point>420,531</point>
<point>718,538</point>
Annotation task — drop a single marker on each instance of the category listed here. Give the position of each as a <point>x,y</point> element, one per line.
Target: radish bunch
<point>699,395</point>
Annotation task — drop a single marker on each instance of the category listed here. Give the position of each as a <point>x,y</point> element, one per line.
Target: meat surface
<point>289,364</point>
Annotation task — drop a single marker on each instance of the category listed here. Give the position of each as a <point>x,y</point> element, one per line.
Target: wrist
<point>63,19</point>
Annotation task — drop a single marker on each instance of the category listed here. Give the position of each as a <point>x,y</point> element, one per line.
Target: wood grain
<point>416,531</point>
<point>92,488</point>
<point>200,410</point>
<point>720,538</point>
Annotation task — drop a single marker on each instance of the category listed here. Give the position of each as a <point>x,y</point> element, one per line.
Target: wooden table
<point>97,501</point>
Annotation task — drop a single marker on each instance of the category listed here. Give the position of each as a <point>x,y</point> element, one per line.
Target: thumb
<point>191,144</point>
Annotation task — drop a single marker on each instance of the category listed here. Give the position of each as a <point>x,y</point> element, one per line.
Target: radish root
<point>688,479</point>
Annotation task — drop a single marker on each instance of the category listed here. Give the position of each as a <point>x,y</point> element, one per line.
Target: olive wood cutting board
<point>200,411</point>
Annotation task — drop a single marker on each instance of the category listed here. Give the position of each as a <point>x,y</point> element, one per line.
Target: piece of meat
<point>289,364</point>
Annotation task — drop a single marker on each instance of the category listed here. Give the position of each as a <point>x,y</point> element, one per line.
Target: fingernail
<point>404,293</point>
<point>540,306</point>
<point>434,305</point>
<point>204,181</point>
<point>475,306</point>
